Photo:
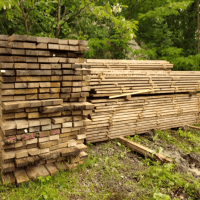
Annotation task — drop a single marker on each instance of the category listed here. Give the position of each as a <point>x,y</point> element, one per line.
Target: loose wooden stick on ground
<point>144,151</point>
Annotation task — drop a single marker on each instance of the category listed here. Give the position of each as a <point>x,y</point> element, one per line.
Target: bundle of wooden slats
<point>105,82</point>
<point>102,64</point>
<point>43,105</point>
<point>113,118</point>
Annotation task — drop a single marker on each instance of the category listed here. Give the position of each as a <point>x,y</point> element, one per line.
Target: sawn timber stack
<point>113,118</point>
<point>43,106</point>
<point>163,98</point>
<point>102,64</point>
<point>115,82</point>
<point>45,116</point>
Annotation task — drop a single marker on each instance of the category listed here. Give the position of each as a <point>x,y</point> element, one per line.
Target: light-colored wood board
<point>21,176</point>
<point>35,171</point>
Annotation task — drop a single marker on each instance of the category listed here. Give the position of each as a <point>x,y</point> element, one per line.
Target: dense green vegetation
<point>164,29</point>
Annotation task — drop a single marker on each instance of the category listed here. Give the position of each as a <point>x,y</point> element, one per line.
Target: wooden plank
<point>63,41</point>
<point>53,46</point>
<point>8,167</point>
<point>73,42</point>
<point>34,172</point>
<point>3,43</point>
<point>139,92</point>
<point>83,155</point>
<point>8,178</point>
<point>193,127</point>
<point>83,43</point>
<point>122,61</point>
<point>20,175</point>
<point>41,46</point>
<point>143,150</point>
<point>51,168</point>
<point>3,37</point>
<point>47,40</point>
<point>61,165</point>
<point>161,112</point>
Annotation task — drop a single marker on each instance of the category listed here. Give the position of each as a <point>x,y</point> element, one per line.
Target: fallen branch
<point>144,151</point>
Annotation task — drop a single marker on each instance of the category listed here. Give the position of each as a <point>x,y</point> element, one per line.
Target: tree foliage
<point>164,29</point>
<point>99,21</point>
<point>169,32</point>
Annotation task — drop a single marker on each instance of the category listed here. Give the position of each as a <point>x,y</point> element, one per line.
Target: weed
<point>89,144</point>
<point>160,196</point>
<point>136,138</point>
<point>44,180</point>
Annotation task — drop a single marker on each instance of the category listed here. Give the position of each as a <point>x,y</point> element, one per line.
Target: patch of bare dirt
<point>179,194</point>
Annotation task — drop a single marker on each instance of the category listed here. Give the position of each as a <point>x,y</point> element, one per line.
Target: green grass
<point>96,179</point>
<point>198,124</point>
<point>164,179</point>
<point>112,171</point>
<point>187,141</point>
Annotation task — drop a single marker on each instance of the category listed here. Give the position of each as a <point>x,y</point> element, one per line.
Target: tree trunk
<point>198,26</point>
<point>25,18</point>
<point>58,26</point>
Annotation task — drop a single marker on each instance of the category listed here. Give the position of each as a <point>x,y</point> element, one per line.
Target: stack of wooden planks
<point>155,97</point>
<point>113,118</point>
<point>44,113</point>
<point>42,69</point>
<point>103,64</point>
<point>115,82</point>
<point>116,77</point>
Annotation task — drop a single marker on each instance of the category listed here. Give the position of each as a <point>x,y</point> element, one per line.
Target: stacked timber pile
<point>43,106</point>
<point>169,101</point>
<point>115,77</point>
<point>117,117</point>
<point>116,82</point>
<point>103,64</point>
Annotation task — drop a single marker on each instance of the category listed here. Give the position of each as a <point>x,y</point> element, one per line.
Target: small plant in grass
<point>89,144</point>
<point>123,147</point>
<point>138,139</point>
<point>44,180</point>
<point>135,138</point>
<point>160,196</point>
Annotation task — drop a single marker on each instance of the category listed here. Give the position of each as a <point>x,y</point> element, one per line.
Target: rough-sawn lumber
<point>144,151</point>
